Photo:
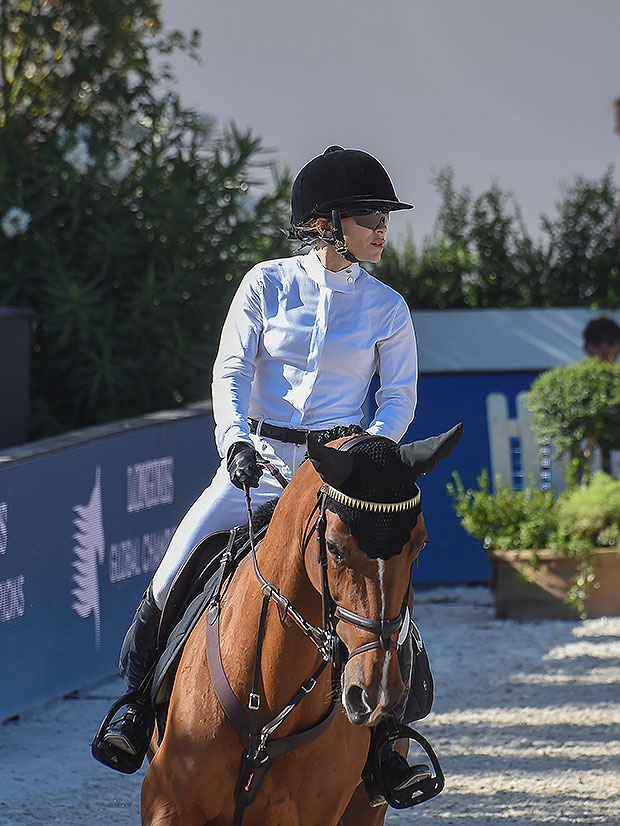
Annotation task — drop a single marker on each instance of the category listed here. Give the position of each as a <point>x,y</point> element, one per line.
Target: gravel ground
<point>526,724</point>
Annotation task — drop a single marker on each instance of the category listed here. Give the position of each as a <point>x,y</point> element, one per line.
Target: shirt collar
<point>342,281</point>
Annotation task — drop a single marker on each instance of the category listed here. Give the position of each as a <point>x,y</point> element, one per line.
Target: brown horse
<point>194,773</point>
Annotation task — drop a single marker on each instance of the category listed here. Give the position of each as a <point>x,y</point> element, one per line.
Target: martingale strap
<point>259,751</point>
<point>238,715</point>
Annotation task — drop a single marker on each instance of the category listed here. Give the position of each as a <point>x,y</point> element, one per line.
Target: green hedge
<point>126,219</point>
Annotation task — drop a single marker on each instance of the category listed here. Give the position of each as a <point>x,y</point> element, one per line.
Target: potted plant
<point>554,555</point>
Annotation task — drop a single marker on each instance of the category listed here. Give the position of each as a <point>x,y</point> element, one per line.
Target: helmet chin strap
<point>337,239</point>
<point>338,236</point>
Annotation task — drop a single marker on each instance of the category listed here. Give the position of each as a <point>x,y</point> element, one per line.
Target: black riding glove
<point>242,464</point>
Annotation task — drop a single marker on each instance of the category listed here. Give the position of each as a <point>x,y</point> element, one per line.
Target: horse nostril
<point>357,700</point>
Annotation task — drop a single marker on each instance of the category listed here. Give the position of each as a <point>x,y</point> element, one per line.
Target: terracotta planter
<point>543,597</point>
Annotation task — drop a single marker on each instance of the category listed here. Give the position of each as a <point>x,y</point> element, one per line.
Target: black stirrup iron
<point>427,787</point>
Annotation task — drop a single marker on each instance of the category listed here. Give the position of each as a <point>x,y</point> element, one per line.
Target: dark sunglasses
<point>368,218</point>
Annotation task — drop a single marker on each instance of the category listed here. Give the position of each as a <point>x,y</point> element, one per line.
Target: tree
<point>583,257</point>
<point>576,407</point>
<point>481,255</point>
<point>63,61</point>
<point>127,219</point>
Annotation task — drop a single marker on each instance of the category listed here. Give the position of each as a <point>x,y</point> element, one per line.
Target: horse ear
<point>424,456</point>
<point>332,466</point>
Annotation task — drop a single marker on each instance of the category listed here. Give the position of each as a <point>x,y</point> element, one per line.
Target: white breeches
<point>221,506</point>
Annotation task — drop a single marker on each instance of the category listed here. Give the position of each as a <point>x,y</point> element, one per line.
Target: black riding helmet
<point>339,178</point>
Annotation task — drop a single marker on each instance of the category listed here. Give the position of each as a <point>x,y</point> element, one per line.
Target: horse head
<point>373,530</point>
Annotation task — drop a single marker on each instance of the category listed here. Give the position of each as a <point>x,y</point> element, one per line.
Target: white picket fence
<point>515,454</point>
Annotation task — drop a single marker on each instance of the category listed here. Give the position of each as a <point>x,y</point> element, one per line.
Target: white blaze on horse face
<point>381,571</point>
<point>388,654</point>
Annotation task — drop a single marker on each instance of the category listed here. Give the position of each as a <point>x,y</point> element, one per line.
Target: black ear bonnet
<point>378,475</point>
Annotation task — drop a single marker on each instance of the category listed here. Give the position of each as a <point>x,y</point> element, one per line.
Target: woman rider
<point>299,347</point>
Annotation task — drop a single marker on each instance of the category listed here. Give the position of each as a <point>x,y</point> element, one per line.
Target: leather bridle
<point>334,613</point>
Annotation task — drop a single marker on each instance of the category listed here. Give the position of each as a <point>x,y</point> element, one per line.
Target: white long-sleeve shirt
<point>300,346</point>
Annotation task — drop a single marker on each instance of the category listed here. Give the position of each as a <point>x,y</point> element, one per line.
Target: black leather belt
<point>280,434</point>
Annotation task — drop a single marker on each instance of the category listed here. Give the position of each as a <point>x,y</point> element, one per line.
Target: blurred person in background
<point>601,339</point>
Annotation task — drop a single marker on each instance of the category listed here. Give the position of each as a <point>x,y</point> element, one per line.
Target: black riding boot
<point>131,732</point>
<point>395,772</point>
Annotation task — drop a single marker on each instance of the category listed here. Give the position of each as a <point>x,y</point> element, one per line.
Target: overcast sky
<point>514,92</point>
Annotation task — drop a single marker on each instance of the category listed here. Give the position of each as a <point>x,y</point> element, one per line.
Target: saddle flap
<point>203,560</point>
<point>192,591</point>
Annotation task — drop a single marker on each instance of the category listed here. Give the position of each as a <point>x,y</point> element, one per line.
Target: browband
<point>362,504</point>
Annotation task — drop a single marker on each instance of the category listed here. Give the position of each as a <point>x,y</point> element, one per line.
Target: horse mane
<point>337,432</point>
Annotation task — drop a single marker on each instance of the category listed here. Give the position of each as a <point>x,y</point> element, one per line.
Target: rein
<point>319,636</point>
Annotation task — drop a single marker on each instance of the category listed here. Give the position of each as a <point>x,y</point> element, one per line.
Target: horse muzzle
<point>372,686</point>
<point>372,683</point>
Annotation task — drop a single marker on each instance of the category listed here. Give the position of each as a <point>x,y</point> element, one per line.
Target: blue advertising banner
<point>82,530</point>
<point>452,555</point>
